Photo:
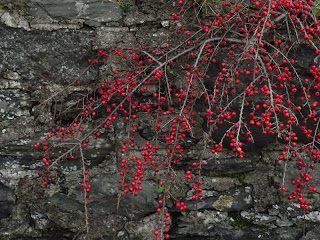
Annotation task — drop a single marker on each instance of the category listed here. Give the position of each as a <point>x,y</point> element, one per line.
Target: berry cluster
<point>240,76</point>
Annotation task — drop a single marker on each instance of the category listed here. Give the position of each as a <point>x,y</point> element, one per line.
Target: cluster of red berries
<point>181,205</point>
<point>135,184</point>
<point>256,86</point>
<point>86,184</point>
<point>166,223</point>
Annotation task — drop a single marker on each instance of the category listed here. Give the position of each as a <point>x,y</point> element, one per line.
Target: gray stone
<point>99,11</point>
<point>114,37</point>
<point>232,200</point>
<point>224,164</point>
<point>144,228</point>
<point>92,23</point>
<point>274,210</point>
<point>305,56</point>
<point>258,218</point>
<point>312,234</point>
<point>105,188</point>
<point>45,22</point>
<point>7,201</point>
<point>264,194</point>
<point>5,83</point>
<point>218,225</point>
<point>18,224</point>
<point>154,38</point>
<point>65,212</point>
<point>10,75</point>
<point>13,104</point>
<point>165,23</point>
<point>11,173</point>
<point>58,56</point>
<point>313,216</point>
<point>14,20</point>
<point>107,37</point>
<point>220,184</point>
<point>286,233</point>
<point>134,18</point>
<point>284,222</point>
<point>18,128</point>
<point>41,222</point>
<point>201,223</point>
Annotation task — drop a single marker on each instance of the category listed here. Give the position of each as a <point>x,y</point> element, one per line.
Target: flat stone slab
<point>57,55</point>
<point>94,10</point>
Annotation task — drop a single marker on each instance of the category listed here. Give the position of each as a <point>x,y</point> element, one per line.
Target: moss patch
<point>241,223</point>
<point>240,176</point>
<point>223,202</point>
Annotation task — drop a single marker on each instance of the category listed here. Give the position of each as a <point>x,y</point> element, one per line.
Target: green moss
<point>220,174</point>
<point>19,192</point>
<point>241,223</point>
<point>98,79</point>
<point>316,8</point>
<point>72,172</point>
<point>211,238</point>
<point>110,231</point>
<point>205,7</point>
<point>125,8</point>
<point>240,176</point>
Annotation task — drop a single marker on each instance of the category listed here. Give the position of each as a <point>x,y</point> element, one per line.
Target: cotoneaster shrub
<point>237,71</point>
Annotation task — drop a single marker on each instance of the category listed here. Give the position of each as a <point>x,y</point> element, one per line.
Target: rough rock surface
<point>50,56</point>
<point>7,201</point>
<point>99,11</point>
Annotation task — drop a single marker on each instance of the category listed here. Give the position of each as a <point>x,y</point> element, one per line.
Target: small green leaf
<point>316,12</point>
<point>316,9</point>
<point>160,189</point>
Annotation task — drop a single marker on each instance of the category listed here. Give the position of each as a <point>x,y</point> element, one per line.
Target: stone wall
<point>44,45</point>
